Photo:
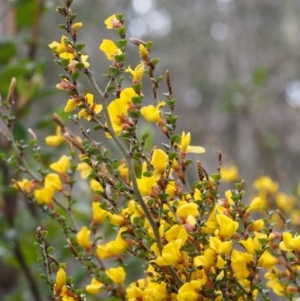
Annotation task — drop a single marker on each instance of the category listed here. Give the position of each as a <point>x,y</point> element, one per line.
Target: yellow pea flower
<point>158,291</point>
<point>71,105</point>
<point>256,204</point>
<point>220,247</point>
<point>159,161</point>
<point>25,185</point>
<point>96,109</point>
<point>267,260</point>
<point>256,225</point>
<point>144,52</point>
<point>147,185</point>
<point>185,146</point>
<point>289,242</point>
<point>112,22</point>
<point>137,73</point>
<point>76,26</point>
<point>99,214</point>
<point>44,195</point>
<point>113,248</point>
<point>55,140</point>
<point>62,165</point>
<point>176,232</point>
<point>187,209</point>
<point>171,254</point>
<point>95,185</point>
<point>116,219</point>
<point>207,260</point>
<point>95,287</point>
<point>60,47</point>
<point>60,280</point>
<point>227,226</point>
<point>189,291</point>
<point>267,184</point>
<point>117,275</point>
<point>53,181</point>
<point>110,49</point>
<point>84,168</point>
<point>248,245</point>
<point>151,113</point>
<point>229,173</point>
<point>83,238</point>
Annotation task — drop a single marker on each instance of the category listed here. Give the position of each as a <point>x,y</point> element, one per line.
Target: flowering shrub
<point>194,243</point>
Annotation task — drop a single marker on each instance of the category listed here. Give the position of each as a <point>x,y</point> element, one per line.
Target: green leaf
<point>159,79</point>
<point>19,132</point>
<point>172,156</point>
<point>155,61</point>
<point>7,51</point>
<point>98,127</point>
<point>122,43</point>
<point>137,100</point>
<point>25,13</point>
<point>79,47</point>
<point>149,44</point>
<point>110,88</point>
<point>75,75</point>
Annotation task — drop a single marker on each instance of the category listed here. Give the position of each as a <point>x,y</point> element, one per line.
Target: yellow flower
<point>285,202</point>
<point>76,26</point>
<point>158,291</point>
<point>60,281</point>
<point>171,254</point>
<point>71,105</point>
<point>207,260</point>
<point>229,173</point>
<point>256,225</point>
<point>110,49</point>
<point>185,146</point>
<point>151,113</point>
<point>265,183</point>
<point>248,245</point>
<point>189,291</point>
<point>137,73</point>
<point>159,161</point>
<point>116,219</point>
<point>44,195</point>
<point>143,52</point>
<point>112,22</point>
<point>289,242</point>
<point>227,226</point>
<point>95,185</point>
<point>239,262</point>
<point>176,232</point>
<point>113,248</point>
<point>187,209</point>
<point>266,260</point>
<point>62,165</point>
<point>83,238</point>
<point>117,275</point>
<point>92,108</point>
<point>99,214</point>
<point>60,47</point>
<point>220,247</point>
<point>84,168</point>
<point>55,140</point>
<point>255,205</point>
<point>95,287</point>
<point>52,181</point>
<point>25,185</point>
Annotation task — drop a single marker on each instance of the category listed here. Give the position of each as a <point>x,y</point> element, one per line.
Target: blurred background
<point>235,70</point>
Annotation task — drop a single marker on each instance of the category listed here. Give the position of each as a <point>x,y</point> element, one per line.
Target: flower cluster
<point>195,243</point>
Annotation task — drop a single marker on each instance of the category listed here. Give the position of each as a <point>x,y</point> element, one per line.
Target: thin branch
<point>140,200</point>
